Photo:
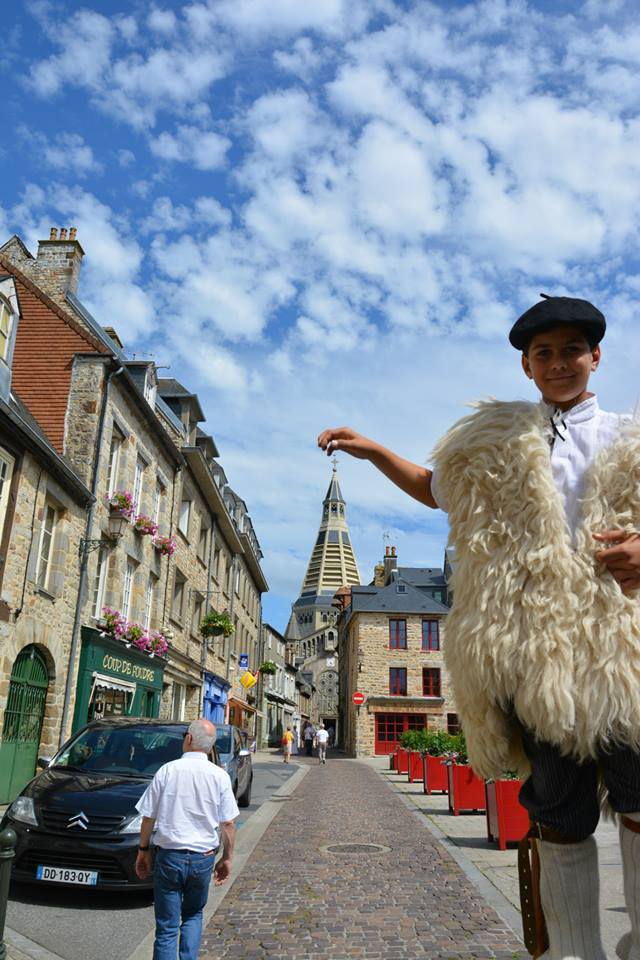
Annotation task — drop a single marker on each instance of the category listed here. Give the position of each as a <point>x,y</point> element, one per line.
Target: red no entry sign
<point>358,698</point>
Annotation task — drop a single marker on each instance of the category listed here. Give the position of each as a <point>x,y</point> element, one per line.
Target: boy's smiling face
<point>560,362</point>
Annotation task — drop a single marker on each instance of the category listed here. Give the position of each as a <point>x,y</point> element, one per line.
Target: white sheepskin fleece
<point>534,622</point>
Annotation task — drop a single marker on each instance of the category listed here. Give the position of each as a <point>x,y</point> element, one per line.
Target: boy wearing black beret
<point>543,640</point>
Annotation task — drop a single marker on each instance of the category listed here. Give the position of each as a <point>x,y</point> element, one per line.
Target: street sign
<point>244,661</point>
<point>358,698</point>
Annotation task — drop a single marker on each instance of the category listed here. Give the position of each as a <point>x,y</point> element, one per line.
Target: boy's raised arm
<point>413,479</point>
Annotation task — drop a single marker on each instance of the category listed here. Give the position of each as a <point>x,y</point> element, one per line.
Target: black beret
<point>555,310</point>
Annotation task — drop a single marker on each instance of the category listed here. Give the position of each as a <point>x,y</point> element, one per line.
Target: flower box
<point>414,770</point>
<point>402,762</point>
<point>466,790</point>
<point>507,819</point>
<point>435,774</point>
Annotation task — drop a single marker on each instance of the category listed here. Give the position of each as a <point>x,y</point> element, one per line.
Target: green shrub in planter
<point>437,743</point>
<point>269,667</point>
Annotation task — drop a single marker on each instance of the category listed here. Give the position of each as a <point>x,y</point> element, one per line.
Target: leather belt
<point>632,825</point>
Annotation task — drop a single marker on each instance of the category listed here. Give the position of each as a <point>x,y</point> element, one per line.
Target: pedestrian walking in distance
<point>287,740</point>
<point>544,514</point>
<point>308,735</point>
<point>321,741</point>
<point>185,808</point>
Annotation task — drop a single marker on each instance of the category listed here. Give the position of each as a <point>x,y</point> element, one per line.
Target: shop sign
<point>244,661</point>
<point>128,669</point>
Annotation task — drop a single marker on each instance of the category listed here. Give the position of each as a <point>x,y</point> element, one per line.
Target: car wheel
<point>245,799</point>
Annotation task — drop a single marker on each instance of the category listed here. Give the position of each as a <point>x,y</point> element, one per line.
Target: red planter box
<point>466,791</point>
<point>434,774</point>
<point>415,766</point>
<point>507,819</point>
<point>402,762</point>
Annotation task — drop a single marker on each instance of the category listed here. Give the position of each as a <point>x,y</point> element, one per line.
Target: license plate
<point>66,875</point>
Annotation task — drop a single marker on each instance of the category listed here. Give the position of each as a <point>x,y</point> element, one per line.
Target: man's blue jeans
<point>180,887</point>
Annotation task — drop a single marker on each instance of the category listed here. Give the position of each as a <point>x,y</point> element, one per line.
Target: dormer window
<point>6,323</point>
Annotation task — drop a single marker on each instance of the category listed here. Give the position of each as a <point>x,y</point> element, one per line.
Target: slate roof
<point>422,576</point>
<point>389,600</point>
<point>334,493</point>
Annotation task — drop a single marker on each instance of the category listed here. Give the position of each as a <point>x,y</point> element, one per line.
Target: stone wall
<point>369,633</point>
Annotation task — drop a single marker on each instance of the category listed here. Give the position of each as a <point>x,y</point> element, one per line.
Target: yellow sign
<point>128,669</point>
<point>248,679</point>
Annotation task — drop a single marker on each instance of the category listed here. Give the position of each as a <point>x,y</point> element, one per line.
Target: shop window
<point>431,682</point>
<point>397,634</point>
<point>398,681</point>
<point>430,635</point>
<point>47,537</point>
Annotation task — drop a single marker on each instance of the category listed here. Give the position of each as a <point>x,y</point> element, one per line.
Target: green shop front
<point>115,680</point>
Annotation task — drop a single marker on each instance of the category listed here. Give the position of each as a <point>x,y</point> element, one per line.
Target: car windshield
<point>129,751</point>
<point>223,740</point>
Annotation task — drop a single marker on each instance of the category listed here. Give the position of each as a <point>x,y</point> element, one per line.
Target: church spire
<point>332,563</point>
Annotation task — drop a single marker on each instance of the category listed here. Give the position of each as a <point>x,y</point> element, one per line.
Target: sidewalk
<point>466,837</point>
<point>302,897</point>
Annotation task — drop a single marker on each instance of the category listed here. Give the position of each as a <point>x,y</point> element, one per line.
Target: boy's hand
<point>623,559</point>
<point>344,438</point>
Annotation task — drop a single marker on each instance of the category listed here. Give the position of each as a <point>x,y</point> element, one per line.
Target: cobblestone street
<point>297,898</point>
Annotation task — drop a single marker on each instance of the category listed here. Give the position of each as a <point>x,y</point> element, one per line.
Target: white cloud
<point>303,60</point>
<point>67,152</point>
<point>204,149</point>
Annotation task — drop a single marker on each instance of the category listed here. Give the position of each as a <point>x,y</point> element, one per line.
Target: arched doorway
<point>22,722</point>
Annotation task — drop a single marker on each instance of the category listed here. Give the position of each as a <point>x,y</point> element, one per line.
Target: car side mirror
<point>43,762</point>
<point>244,753</point>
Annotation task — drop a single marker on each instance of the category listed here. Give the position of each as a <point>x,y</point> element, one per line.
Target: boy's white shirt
<point>579,435</point>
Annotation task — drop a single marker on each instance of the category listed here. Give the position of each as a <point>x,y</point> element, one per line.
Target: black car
<point>76,821</point>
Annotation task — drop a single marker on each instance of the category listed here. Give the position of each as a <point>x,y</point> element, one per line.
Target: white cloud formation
<point>67,153</point>
<point>204,149</point>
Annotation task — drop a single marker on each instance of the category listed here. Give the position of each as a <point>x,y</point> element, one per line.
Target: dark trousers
<point>308,745</point>
<point>563,794</point>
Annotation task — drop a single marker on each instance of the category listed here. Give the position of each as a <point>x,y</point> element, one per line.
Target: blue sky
<point>331,212</point>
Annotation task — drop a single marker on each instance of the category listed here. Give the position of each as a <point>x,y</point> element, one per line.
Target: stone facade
<point>385,627</point>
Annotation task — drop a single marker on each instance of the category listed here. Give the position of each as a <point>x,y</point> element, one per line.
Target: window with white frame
<point>6,472</point>
<point>183,520</point>
<point>137,483</point>
<point>237,583</point>
<point>47,537</point>
<point>150,387</point>
<point>114,460</point>
<point>6,321</point>
<point>196,620</point>
<point>99,583</point>
<point>157,500</point>
<point>127,588</point>
<point>149,600</point>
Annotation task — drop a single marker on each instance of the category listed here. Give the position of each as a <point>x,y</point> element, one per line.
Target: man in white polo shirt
<point>187,802</point>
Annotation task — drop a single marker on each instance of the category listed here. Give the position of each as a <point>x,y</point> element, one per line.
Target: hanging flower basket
<point>269,668</point>
<point>166,546</point>
<point>120,502</point>
<point>215,624</point>
<point>145,525</point>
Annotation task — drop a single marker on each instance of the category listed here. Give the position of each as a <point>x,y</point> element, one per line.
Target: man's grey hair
<point>322,726</point>
<point>203,734</point>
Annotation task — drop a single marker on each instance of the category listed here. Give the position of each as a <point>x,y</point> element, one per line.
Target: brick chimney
<point>56,268</point>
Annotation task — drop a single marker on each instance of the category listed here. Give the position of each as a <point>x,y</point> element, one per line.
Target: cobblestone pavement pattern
<point>295,900</point>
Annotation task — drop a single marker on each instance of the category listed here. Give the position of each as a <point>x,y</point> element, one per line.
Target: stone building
<point>312,626</point>
<point>43,505</point>
<point>279,689</point>
<point>122,429</point>
<point>392,634</point>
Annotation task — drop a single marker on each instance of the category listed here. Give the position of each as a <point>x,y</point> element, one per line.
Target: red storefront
<point>389,727</point>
